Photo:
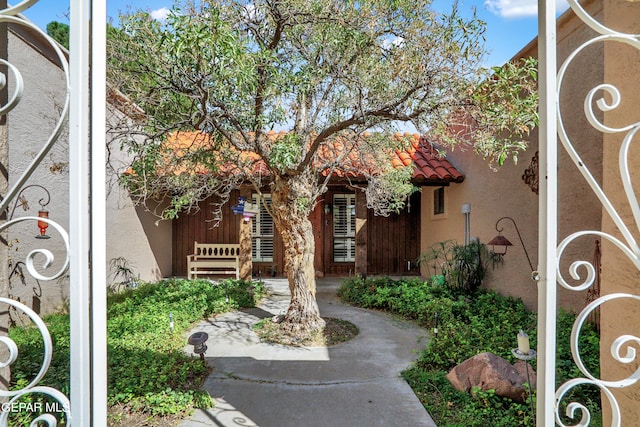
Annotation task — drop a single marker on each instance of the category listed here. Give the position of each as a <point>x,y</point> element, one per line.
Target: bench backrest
<point>216,250</point>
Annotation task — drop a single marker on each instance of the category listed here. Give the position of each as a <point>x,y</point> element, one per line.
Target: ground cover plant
<point>149,373</point>
<point>471,322</point>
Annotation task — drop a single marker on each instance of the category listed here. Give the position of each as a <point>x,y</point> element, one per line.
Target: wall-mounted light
<point>327,208</point>
<point>239,208</point>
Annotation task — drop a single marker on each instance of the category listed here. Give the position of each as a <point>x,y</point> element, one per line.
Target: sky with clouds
<point>511,24</point>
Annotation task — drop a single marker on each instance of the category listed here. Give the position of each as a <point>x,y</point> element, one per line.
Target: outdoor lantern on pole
<point>501,241</point>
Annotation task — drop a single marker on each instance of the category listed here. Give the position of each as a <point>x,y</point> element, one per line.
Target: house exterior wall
<point>132,233</point>
<point>200,227</point>
<point>391,242</point>
<point>622,69</point>
<point>30,125</point>
<point>493,195</point>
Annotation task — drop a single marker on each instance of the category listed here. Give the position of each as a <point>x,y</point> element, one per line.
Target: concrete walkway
<point>356,383</point>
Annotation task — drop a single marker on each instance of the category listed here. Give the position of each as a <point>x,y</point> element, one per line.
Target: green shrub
<point>148,369</point>
<point>459,266</point>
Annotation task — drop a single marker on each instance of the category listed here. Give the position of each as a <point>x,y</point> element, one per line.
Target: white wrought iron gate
<point>84,107</point>
<point>85,104</point>
<point>604,97</point>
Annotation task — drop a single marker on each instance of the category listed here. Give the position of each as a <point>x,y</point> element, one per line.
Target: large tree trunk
<point>291,201</point>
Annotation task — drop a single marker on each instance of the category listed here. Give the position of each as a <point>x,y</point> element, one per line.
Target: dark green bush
<point>148,369</point>
<point>460,266</point>
<point>472,322</point>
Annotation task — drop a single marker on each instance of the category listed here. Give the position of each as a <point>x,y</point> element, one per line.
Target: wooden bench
<point>210,259</point>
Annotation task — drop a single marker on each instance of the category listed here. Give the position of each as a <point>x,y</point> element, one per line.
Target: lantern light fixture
<point>501,241</point>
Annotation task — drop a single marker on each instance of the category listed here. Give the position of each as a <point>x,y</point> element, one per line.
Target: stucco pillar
<point>361,234</point>
<point>246,263</point>
<point>622,69</point>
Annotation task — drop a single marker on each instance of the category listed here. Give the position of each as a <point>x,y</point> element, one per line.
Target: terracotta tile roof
<point>429,165</point>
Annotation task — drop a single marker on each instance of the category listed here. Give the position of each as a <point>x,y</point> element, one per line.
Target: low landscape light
<point>198,341</point>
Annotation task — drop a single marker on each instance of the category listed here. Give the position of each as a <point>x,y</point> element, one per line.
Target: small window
<point>438,201</point>
<point>344,228</point>
<point>262,232</point>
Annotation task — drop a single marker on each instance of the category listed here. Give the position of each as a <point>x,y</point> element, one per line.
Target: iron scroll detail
<point>9,15</point>
<point>581,271</point>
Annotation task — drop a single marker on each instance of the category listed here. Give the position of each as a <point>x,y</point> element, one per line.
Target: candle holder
<point>526,357</point>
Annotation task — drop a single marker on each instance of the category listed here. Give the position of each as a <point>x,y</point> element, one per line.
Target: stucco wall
<point>493,195</point>
<point>622,69</point>
<point>131,233</point>
<point>30,124</point>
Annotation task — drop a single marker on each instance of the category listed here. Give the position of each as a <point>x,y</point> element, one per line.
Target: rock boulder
<point>488,371</point>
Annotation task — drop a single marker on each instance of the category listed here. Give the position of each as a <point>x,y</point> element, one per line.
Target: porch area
<point>349,238</point>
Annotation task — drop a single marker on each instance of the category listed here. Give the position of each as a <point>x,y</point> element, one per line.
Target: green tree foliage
<point>59,32</point>
<point>320,69</point>
<point>337,75</point>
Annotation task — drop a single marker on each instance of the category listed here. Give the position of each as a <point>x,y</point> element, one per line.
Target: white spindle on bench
<point>210,259</point>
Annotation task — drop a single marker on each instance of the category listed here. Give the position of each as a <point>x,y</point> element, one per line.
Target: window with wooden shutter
<point>262,231</point>
<point>344,228</point>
